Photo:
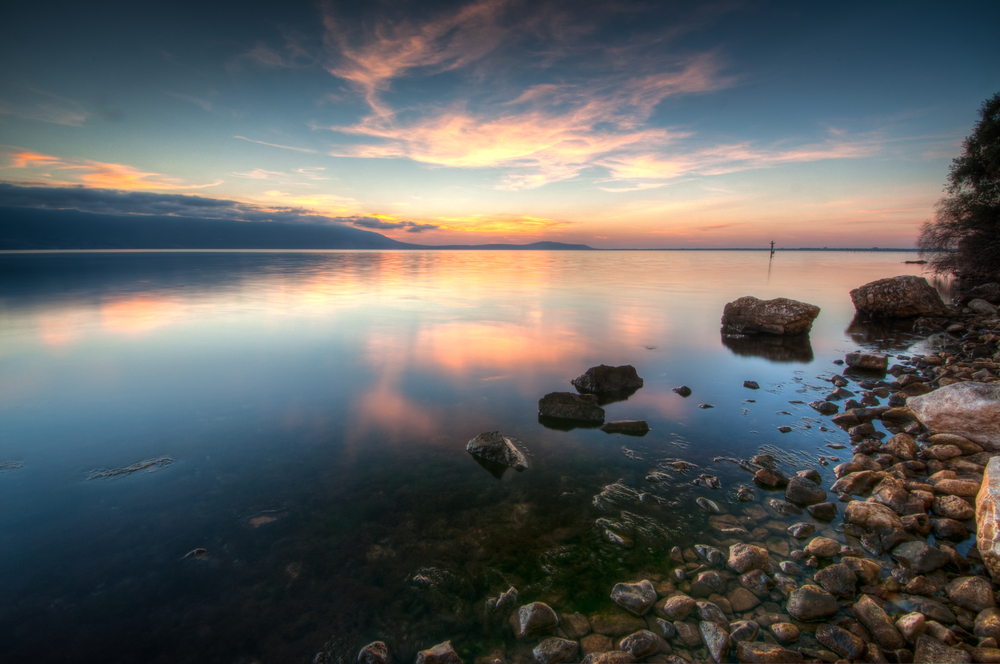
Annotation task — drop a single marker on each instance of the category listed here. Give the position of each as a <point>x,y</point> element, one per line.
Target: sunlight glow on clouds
<point>90,173</point>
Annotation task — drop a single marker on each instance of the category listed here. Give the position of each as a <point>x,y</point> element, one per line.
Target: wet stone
<point>822,547</point>
<point>596,643</point>
<point>442,653</point>
<point>788,567</point>
<point>575,625</point>
<point>709,554</point>
<point>555,651</point>
<point>491,446</point>
<point>878,624</point>
<point>688,634</point>
<point>630,427</point>
<point>640,644</point>
<point>683,390</point>
<point>840,641</point>
<point>811,603</point>
<point>920,556</point>
<point>608,380</point>
<point>716,639</point>
<point>911,625</point>
<point>930,650</point>
<point>662,628</point>
<point>613,657</point>
<point>707,583</point>
<point>804,492</point>
<point>569,406</point>
<point>952,507</point>
<point>745,557</point>
<point>756,581</point>
<point>711,612</point>
<point>535,619</point>
<point>615,623</point>
<point>801,530</point>
<point>868,572</point>
<point>742,600</point>
<point>770,477</point>
<point>987,624</point>
<point>376,652</point>
<point>637,598</point>
<point>765,653</point>
<point>785,632</point>
<point>974,593</point>
<point>743,630</point>
<point>784,508</point>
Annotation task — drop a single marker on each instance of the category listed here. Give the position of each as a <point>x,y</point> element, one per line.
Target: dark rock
<point>974,593</point>
<point>933,651</point>
<point>804,492</point>
<point>811,603</point>
<point>920,556</point>
<point>823,511</point>
<point>838,579</point>
<point>628,427</point>
<point>781,316</point>
<point>683,390</point>
<point>785,429</point>
<point>709,506</point>
<point>569,406</point>
<point>897,297</point>
<point>376,652</point>
<point>784,508</point>
<point>636,598</point>
<point>442,653</point>
<point>716,639</point>
<point>879,520</point>
<point>869,361</point>
<point>757,582</point>
<point>868,571</point>
<point>556,651</point>
<point>770,477</point>
<point>535,619</point>
<point>840,641</point>
<point>613,657</point>
<point>824,407</point>
<point>741,599</point>
<point>785,632</point>
<point>491,446</point>
<point>743,630</point>
<point>707,583</point>
<point>574,625</point>
<point>640,644</point>
<point>608,380</point>
<point>878,624</point>
<point>987,624</point>
<point>751,384</point>
<point>801,530</point>
<point>765,653</point>
<point>615,623</point>
<point>712,613</point>
<point>709,554</point>
<point>688,634</point>
<point>822,547</point>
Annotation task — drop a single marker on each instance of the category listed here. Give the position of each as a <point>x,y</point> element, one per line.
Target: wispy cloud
<point>46,107</point>
<point>203,103</point>
<point>59,171</point>
<point>275,145</point>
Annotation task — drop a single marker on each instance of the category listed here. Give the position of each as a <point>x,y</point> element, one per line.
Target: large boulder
<point>569,406</point>
<point>491,446</point>
<point>989,292</point>
<point>971,410</point>
<point>897,297</point>
<point>780,316</point>
<point>608,380</point>
<point>988,518</point>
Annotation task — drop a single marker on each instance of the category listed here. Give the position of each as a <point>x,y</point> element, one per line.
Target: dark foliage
<point>964,238</point>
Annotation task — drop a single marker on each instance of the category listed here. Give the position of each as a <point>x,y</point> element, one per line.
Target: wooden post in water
<point>772,247</point>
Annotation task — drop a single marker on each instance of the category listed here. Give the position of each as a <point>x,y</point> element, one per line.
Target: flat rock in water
<point>840,641</point>
<point>765,653</point>
<point>608,380</point>
<point>870,361</point>
<point>491,446</point>
<point>988,518</point>
<point>781,316</point>
<point>683,390</point>
<point>616,622</point>
<point>628,427</point>
<point>933,651</point>
<point>920,556</point>
<point>804,492</point>
<point>569,406</point>
<point>442,653</point>
<point>970,410</point>
<point>636,598</point>
<point>878,623</point>
<point>897,297</point>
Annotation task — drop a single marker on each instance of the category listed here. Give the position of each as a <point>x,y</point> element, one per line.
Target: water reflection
<point>793,348</point>
<point>885,336</point>
<point>339,390</point>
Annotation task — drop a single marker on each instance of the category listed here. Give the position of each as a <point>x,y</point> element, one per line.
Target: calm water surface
<point>313,410</point>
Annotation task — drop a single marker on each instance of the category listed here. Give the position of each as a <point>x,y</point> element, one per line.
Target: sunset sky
<point>645,124</point>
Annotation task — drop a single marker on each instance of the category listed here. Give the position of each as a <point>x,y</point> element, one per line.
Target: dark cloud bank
<point>81,218</point>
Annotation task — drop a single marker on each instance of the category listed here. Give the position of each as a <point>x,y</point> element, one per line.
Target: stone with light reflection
<point>569,406</point>
<point>608,380</point>
<point>780,316</point>
<point>491,446</point>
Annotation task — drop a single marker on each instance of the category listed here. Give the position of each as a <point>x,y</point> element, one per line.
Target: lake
<point>303,417</point>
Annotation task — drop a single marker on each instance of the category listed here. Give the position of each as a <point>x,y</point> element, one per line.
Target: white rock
<point>967,409</point>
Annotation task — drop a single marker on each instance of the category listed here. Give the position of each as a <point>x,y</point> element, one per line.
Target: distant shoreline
<point>494,247</point>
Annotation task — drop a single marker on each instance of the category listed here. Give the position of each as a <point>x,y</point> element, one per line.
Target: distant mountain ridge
<point>23,229</point>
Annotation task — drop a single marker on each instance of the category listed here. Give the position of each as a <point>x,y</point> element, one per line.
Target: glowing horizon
<point>713,125</point>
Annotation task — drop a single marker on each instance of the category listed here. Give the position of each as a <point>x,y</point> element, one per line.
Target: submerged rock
<point>897,297</point>
<point>376,652</point>
<point>555,651</point>
<point>628,427</point>
<point>683,390</point>
<point>781,316</point>
<point>871,361</point>
<point>971,410</point>
<point>636,598</point>
<point>765,653</point>
<point>535,619</point>
<point>608,380</point>
<point>569,406</point>
<point>811,603</point>
<point>442,653</point>
<point>491,446</point>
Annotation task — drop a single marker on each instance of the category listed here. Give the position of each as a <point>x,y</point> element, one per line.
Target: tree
<point>964,238</point>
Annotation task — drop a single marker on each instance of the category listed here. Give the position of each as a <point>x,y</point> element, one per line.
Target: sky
<point>623,124</point>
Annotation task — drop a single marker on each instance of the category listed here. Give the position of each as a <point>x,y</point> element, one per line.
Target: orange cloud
<point>92,173</point>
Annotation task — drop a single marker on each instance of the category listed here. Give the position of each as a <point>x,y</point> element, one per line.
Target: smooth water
<point>312,409</point>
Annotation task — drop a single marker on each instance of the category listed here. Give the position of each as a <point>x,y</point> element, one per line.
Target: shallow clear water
<point>315,407</point>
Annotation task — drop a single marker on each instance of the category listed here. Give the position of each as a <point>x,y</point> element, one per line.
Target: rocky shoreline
<point>897,579</point>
